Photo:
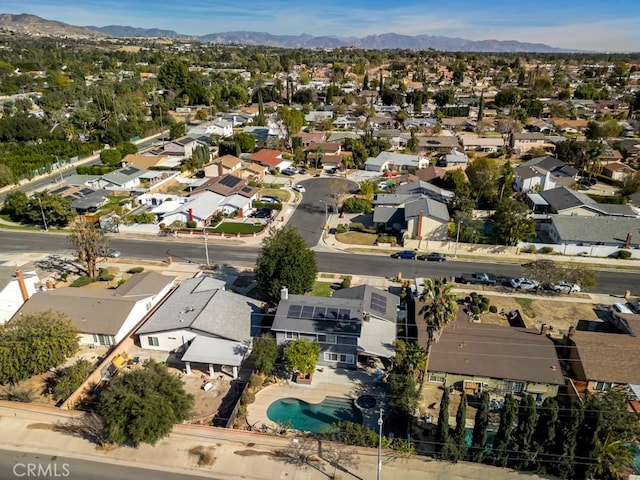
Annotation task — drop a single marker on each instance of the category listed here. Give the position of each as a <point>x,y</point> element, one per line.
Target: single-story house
<point>83,199</point>
<point>567,202</point>
<point>222,128</point>
<point>602,357</point>
<point>426,189</point>
<point>438,143</point>
<point>465,357</point>
<point>104,316</point>
<point>618,171</point>
<point>125,178</point>
<point>357,320</point>
<point>454,159</point>
<point>307,138</point>
<point>474,143</point>
<point>525,141</point>
<point>205,323</point>
<point>16,287</point>
<point>395,161</point>
<point>183,147</point>
<point>544,173</point>
<point>416,217</point>
<point>270,158</point>
<point>222,166</point>
<point>318,116</point>
<point>586,231</point>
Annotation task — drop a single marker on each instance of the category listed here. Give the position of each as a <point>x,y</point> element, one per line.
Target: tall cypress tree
<point>544,435</point>
<point>587,438</point>
<point>481,107</point>
<point>442,432</point>
<point>524,432</point>
<point>502,442</point>
<point>479,439</point>
<point>569,420</point>
<point>459,434</point>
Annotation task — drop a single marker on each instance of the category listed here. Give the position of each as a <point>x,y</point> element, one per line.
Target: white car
<point>299,188</point>
<point>565,287</point>
<point>524,283</point>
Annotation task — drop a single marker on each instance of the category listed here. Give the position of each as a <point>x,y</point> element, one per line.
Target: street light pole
<point>455,253</point>
<point>206,245</point>
<point>44,219</point>
<point>326,214</point>
<point>380,421</point>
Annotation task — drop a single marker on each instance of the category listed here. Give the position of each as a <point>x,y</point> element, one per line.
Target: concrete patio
<point>326,382</point>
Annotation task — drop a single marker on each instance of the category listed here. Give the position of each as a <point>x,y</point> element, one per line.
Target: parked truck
<point>478,278</point>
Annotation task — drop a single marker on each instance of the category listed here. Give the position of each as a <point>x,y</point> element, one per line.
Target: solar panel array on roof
<point>309,312</point>
<point>86,191</point>
<point>59,190</point>
<point>230,181</point>
<point>378,303</point>
<point>246,189</point>
<point>129,170</point>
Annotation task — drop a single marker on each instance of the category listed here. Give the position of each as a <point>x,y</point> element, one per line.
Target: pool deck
<point>330,382</point>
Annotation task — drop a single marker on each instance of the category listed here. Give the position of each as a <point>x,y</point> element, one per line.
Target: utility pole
<point>326,214</point>
<point>206,245</point>
<point>380,422</point>
<point>455,253</point>
<point>44,219</point>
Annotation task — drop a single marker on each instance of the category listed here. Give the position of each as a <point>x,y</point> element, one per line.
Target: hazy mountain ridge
<point>32,24</point>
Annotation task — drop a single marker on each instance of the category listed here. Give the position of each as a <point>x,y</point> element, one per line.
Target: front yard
<point>357,238</point>
<point>233,228</point>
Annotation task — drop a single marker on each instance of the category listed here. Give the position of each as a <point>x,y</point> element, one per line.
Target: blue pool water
<point>313,417</point>
<point>490,438</point>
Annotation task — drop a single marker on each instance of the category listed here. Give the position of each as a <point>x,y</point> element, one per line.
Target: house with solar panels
<point>353,324</point>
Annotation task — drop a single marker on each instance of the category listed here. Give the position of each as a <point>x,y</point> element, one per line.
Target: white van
<point>620,308</point>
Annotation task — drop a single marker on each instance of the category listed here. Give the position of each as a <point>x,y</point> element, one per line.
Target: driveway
<point>309,216</point>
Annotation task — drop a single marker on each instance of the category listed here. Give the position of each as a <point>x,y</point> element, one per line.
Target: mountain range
<point>30,24</point>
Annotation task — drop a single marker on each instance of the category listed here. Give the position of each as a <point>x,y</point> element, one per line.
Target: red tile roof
<point>267,157</point>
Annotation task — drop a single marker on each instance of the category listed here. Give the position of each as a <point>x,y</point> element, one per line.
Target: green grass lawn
<point>282,194</point>
<point>322,289</point>
<point>236,227</point>
<point>357,238</point>
<point>527,308</point>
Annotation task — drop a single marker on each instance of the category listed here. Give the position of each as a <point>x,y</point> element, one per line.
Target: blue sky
<point>604,25</point>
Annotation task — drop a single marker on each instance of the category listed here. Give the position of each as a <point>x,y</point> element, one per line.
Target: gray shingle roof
<point>563,198</point>
<point>430,208</point>
<point>285,321</point>
<point>592,230</point>
<point>200,304</point>
<point>392,199</point>
<point>424,188</point>
<point>365,293</point>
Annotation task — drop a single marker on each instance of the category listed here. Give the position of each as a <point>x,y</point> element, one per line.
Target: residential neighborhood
<point>426,253</point>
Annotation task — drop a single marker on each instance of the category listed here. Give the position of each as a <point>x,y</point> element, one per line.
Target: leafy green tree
<point>511,222</point>
<point>479,436</point>
<point>442,432</point>
<point>608,128</point>
<point>483,174</point>
<point>508,97</point>
<point>229,148</point>
<point>413,144</point>
<point>285,260</point>
<point>544,435</point>
<point>618,422</point>
<point>460,432</point>
<point>69,379</point>
<point>245,141</point>
<point>143,406</point>
<point>177,130</point>
<point>524,432</point>
<point>444,97</point>
<point>127,148</point>
<point>6,176</point>
<point>32,344</point>
<point>357,205</point>
<point>16,205</point>
<point>111,156</point>
<point>292,121</point>
<point>174,74</point>
<point>410,359</point>
<point>404,397</point>
<point>612,458</point>
<point>351,433</point>
<point>88,240</point>
<point>368,189</point>
<point>301,356</point>
<point>568,423</point>
<point>440,305</point>
<point>265,353</point>
<point>506,178</point>
<point>56,209</point>
<point>587,438</point>
<point>504,436</point>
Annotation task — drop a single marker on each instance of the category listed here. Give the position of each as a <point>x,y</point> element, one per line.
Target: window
<point>338,357</point>
<point>103,340</point>
<point>602,386</point>
<point>330,357</point>
<point>327,338</point>
<point>291,335</point>
<point>436,377</point>
<point>153,341</point>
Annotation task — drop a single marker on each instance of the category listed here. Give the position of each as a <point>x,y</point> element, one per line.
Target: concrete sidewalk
<point>236,454</point>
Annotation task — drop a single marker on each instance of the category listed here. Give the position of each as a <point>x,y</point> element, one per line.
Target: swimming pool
<point>313,417</point>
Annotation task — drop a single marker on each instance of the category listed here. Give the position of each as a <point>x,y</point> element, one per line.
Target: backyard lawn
<point>322,289</point>
<point>236,227</point>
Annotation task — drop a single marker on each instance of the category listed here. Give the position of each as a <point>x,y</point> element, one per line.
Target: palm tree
<point>440,307</point>
<point>612,459</point>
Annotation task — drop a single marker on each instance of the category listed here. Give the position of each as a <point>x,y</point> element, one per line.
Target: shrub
<point>15,395</point>
<point>341,228</point>
<point>474,309</point>
<point>247,398</point>
<point>530,249</point>
<point>624,254</point>
<point>359,227</point>
<point>192,224</point>
<point>255,381</point>
<point>136,270</point>
<point>357,205</point>
<point>82,281</point>
<point>546,250</point>
<point>105,276</point>
<point>386,239</point>
<point>346,282</point>
<point>493,309</point>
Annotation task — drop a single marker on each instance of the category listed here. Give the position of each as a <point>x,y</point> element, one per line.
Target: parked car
<point>524,283</point>
<point>303,171</point>
<point>406,254</point>
<point>332,171</point>
<point>478,278</point>
<point>432,257</point>
<point>109,252</point>
<point>620,308</point>
<point>299,188</point>
<point>565,287</point>
<point>270,199</point>
<point>289,171</point>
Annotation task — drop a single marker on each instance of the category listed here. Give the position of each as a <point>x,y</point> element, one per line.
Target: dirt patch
<point>207,403</point>
<point>203,456</point>
<point>40,426</point>
<point>252,453</point>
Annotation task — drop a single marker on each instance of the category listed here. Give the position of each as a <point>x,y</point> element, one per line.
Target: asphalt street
<point>15,465</point>
<point>16,242</point>
<point>319,199</point>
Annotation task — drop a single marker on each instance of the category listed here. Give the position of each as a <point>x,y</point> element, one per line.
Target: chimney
<point>284,293</point>
<point>543,329</point>
<point>627,242</point>
<point>50,285</point>
<point>190,214</point>
<point>220,168</point>
<point>366,317</point>
<point>419,234</point>
<point>22,285</point>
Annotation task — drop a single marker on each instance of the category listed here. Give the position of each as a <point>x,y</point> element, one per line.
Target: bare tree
<point>88,240</point>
